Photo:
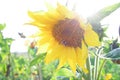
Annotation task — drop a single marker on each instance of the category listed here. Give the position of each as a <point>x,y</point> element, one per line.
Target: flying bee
<point>21,35</point>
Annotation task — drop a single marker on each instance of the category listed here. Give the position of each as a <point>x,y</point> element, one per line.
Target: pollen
<point>68,32</point>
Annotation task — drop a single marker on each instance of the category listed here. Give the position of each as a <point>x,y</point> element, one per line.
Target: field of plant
<point>101,62</point>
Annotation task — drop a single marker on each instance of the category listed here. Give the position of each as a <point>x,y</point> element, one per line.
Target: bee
<point>21,35</point>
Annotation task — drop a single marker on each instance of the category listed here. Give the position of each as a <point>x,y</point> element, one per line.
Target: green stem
<point>89,75</point>
<point>12,67</point>
<point>29,60</point>
<point>96,65</point>
<point>101,69</point>
<point>11,61</point>
<point>95,68</point>
<point>39,72</point>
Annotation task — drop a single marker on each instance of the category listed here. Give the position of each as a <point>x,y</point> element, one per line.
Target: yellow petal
<point>79,56</point>
<point>42,43</point>
<point>91,37</point>
<point>71,58</point>
<point>52,42</point>
<point>45,38</point>
<point>85,56</point>
<point>46,32</point>
<point>64,11</point>
<point>52,13</point>
<point>41,17</point>
<point>54,53</point>
<point>39,25</point>
<point>62,61</point>
<point>84,51</point>
<point>55,15</point>
<point>82,55</point>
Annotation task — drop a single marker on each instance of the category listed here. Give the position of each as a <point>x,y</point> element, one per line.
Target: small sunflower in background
<point>66,35</point>
<point>108,76</point>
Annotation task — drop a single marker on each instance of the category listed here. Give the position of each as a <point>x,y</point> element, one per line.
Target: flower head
<point>66,36</point>
<point>108,76</point>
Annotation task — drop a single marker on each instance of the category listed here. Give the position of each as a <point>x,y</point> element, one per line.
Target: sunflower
<point>65,34</point>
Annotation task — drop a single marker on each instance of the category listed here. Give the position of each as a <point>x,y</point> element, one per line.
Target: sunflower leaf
<point>114,54</point>
<point>104,12</point>
<point>37,59</point>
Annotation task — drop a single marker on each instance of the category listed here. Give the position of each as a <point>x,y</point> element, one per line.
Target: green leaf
<point>105,28</point>
<point>2,26</point>
<point>114,54</point>
<point>64,72</point>
<point>37,59</point>
<point>21,61</point>
<point>1,66</point>
<point>104,12</point>
<point>32,51</point>
<point>1,36</point>
<point>0,58</point>
<point>9,40</point>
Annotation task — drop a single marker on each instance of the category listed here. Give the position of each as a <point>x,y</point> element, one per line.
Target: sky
<point>14,14</point>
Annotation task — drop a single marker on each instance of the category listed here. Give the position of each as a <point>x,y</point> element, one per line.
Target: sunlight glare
<point>87,8</point>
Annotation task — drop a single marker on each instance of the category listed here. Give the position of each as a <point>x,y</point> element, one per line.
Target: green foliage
<point>2,26</point>
<point>111,47</point>
<point>106,45</point>
<point>95,19</point>
<point>112,68</point>
<point>114,54</point>
<point>48,70</point>
<point>37,59</point>
<point>63,74</point>
<point>4,54</point>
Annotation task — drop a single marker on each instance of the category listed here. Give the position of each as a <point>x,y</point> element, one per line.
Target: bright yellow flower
<point>65,34</point>
<point>108,76</point>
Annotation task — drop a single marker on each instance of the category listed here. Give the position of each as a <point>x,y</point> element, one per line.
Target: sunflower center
<point>68,32</point>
